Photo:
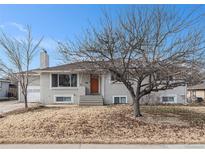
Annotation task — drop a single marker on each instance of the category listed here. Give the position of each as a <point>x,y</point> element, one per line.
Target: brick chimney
<point>44,59</point>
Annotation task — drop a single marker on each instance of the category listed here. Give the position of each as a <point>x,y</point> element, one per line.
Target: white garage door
<point>33,94</point>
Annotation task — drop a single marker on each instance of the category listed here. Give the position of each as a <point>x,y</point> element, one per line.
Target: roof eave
<point>68,71</point>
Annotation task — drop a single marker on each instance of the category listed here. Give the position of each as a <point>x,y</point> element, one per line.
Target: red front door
<point>94,84</point>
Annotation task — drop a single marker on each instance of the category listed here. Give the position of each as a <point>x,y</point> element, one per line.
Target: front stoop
<point>89,100</point>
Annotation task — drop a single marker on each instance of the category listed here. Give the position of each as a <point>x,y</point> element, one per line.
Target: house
<point>13,91</point>
<point>196,91</point>
<point>72,83</point>
<point>4,88</point>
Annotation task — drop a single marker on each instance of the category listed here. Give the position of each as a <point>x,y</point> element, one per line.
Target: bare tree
<point>19,54</point>
<point>147,49</point>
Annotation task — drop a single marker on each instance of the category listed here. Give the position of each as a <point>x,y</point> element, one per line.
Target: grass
<point>192,117</point>
<point>103,124</point>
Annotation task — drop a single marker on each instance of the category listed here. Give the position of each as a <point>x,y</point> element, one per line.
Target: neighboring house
<point>196,91</point>
<point>176,95</point>
<point>13,90</point>
<point>72,83</point>
<point>4,88</point>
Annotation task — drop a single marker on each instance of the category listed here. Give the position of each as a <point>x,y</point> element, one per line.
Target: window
<point>63,99</point>
<point>0,84</point>
<point>64,80</point>
<point>119,99</point>
<point>54,80</point>
<point>114,78</point>
<point>168,99</point>
<point>73,80</point>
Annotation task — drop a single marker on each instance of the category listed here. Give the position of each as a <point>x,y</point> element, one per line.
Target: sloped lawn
<point>104,124</point>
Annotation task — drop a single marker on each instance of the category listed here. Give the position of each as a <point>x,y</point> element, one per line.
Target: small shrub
<point>1,116</point>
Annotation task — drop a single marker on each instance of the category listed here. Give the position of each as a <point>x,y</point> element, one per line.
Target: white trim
<point>119,96</point>
<point>60,71</point>
<point>64,88</point>
<point>50,80</point>
<point>78,79</point>
<point>64,71</point>
<point>63,96</point>
<point>61,88</point>
<point>169,95</point>
<point>103,85</point>
<point>99,84</point>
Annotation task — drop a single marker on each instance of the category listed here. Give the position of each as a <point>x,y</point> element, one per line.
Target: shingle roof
<point>32,72</point>
<point>4,80</point>
<point>76,66</point>
<point>197,87</point>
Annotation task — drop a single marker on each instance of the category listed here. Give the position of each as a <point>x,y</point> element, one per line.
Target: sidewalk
<point>7,106</point>
<point>102,146</point>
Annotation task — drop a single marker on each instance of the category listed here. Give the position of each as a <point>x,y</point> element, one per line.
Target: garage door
<point>33,94</point>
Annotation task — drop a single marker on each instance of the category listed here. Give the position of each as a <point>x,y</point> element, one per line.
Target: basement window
<point>63,99</point>
<point>168,99</point>
<point>119,99</point>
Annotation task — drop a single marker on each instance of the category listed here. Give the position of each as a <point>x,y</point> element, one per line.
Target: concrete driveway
<point>7,106</point>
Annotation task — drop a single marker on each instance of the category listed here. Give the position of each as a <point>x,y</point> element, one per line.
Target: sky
<point>54,22</point>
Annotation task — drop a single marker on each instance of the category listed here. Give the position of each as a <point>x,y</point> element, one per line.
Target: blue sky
<point>54,22</point>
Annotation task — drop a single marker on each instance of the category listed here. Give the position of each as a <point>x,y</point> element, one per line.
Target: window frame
<point>64,87</point>
<point>120,96</point>
<point>174,101</point>
<point>67,102</point>
<point>114,81</point>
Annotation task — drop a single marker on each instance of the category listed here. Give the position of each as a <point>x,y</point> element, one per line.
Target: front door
<point>94,84</point>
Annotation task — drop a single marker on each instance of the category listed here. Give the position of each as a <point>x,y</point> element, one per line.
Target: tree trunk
<point>26,101</point>
<point>137,108</point>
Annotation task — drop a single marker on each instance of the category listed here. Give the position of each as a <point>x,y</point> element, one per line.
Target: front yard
<point>104,124</point>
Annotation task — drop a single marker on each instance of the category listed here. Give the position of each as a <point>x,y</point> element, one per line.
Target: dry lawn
<point>103,124</point>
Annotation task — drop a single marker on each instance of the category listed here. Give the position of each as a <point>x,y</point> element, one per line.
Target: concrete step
<point>91,104</point>
<point>91,100</point>
<point>90,97</point>
<point>87,99</point>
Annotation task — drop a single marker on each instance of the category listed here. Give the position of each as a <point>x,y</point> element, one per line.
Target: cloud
<point>18,26</point>
<point>2,26</point>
